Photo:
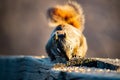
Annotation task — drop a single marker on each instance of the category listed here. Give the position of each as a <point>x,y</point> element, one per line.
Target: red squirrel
<point>67,40</point>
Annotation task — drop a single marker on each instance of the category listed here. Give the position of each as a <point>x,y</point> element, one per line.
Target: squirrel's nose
<point>60,35</point>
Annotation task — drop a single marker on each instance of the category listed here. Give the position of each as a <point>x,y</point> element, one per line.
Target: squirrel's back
<point>70,13</point>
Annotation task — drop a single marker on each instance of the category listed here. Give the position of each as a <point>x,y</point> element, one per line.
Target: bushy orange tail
<point>70,13</point>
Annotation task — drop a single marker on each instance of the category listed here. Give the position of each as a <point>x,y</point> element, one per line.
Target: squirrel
<point>67,40</point>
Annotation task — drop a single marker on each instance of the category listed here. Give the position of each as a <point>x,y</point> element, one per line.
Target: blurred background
<point>24,28</point>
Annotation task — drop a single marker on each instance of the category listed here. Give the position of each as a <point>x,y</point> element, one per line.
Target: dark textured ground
<point>40,68</point>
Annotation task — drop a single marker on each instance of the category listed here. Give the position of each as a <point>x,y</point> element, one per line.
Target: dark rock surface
<point>40,68</point>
